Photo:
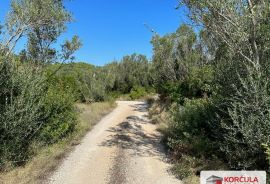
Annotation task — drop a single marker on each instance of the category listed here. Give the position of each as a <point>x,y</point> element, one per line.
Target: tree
<point>27,16</point>
<point>42,22</point>
<point>237,23</point>
<point>174,55</point>
<point>31,109</point>
<point>132,71</point>
<point>238,29</point>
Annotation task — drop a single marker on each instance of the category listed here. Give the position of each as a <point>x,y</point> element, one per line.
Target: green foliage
<point>179,69</point>
<point>183,168</point>
<point>247,124</point>
<point>42,21</point>
<point>21,110</point>
<point>85,82</point>
<point>220,81</point>
<point>61,119</point>
<point>33,108</point>
<point>187,167</point>
<point>189,130</point>
<point>171,90</point>
<point>137,92</point>
<point>174,54</point>
<point>30,111</point>
<point>241,81</point>
<point>88,83</point>
<point>197,84</point>
<point>132,71</point>
<point>69,47</point>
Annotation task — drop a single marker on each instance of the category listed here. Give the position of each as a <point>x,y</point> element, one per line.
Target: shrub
<point>188,167</point>
<point>30,111</point>
<point>197,84</point>
<point>232,128</point>
<point>189,129</point>
<point>61,116</point>
<point>85,82</point>
<point>137,92</point>
<point>171,90</point>
<point>246,125</point>
<point>199,81</point>
<point>21,111</point>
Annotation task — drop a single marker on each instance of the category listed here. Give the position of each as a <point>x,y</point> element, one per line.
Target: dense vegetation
<point>215,80</point>
<point>88,83</point>
<point>33,111</point>
<point>218,83</point>
<point>40,85</point>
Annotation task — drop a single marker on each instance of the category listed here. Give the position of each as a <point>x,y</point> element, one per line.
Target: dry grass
<point>159,114</point>
<point>48,158</point>
<point>191,180</point>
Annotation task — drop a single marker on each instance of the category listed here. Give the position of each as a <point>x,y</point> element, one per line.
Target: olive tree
<point>240,30</point>
<point>31,109</point>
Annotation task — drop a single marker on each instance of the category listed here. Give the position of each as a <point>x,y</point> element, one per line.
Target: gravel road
<point>123,148</point>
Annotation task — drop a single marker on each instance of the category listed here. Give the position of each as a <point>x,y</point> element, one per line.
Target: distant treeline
<point>88,83</point>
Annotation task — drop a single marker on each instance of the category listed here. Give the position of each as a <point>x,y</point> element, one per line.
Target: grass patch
<point>48,158</point>
<point>188,168</point>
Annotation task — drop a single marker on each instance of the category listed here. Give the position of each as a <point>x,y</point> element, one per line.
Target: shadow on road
<point>131,135</point>
<point>140,107</point>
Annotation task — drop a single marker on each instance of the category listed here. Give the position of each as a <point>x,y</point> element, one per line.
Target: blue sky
<point>110,29</point>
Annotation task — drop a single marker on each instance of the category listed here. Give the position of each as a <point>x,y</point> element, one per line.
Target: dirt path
<point>123,148</point>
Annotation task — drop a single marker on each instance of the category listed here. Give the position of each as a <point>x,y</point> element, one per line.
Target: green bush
<point>30,111</point>
<point>113,95</point>
<point>61,116</point>
<point>171,90</point>
<point>197,84</point>
<point>85,82</point>
<point>235,126</point>
<point>246,124</point>
<point>22,104</point>
<point>137,92</point>
<point>189,129</point>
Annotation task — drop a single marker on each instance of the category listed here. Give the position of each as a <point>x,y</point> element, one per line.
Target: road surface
<point>123,148</point>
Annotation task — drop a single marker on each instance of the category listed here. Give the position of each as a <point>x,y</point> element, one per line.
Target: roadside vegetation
<point>215,84</point>
<point>42,90</point>
<point>47,158</point>
<point>212,79</point>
